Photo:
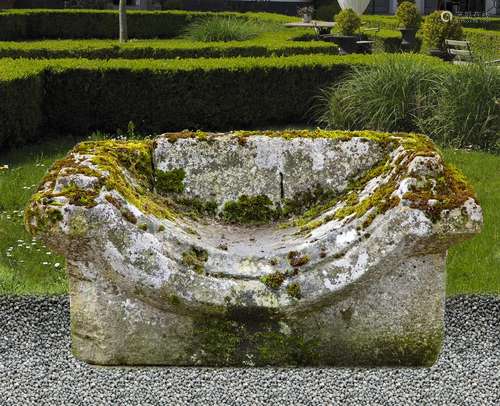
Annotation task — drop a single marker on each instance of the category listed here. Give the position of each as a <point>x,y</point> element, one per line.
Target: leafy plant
<point>88,4</point>
<point>435,30</point>
<point>465,108</point>
<point>387,96</point>
<point>407,15</point>
<point>347,22</point>
<point>223,29</point>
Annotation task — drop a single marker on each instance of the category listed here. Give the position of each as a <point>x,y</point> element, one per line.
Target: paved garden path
<point>36,368</point>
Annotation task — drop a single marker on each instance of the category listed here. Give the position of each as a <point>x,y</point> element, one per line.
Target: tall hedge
<point>21,100</point>
<point>78,24</point>
<point>78,96</point>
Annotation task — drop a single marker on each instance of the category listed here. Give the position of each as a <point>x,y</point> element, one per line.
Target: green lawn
<point>27,267</point>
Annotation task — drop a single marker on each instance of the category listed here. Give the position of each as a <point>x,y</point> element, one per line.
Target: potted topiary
<point>437,27</point>
<point>347,22</point>
<point>306,13</point>
<point>408,23</point>
<point>4,4</point>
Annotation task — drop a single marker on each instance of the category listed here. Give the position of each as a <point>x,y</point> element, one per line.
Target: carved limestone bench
<point>256,248</point>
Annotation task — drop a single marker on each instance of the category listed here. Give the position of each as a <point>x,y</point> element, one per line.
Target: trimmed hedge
<point>269,44</point>
<point>483,42</point>
<point>18,25</point>
<point>70,96</point>
<point>390,22</point>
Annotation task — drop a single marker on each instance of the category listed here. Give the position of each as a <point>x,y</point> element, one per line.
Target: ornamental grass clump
<point>435,30</point>
<point>223,29</point>
<point>387,96</point>
<point>464,110</point>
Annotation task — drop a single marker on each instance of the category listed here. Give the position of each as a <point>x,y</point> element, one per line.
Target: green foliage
<point>387,96</point>
<point>435,30</point>
<point>347,22</point>
<point>279,43</point>
<point>78,96</point>
<point>195,258</point>
<point>89,4</point>
<point>273,280</point>
<point>282,43</point>
<point>170,181</point>
<point>407,15</point>
<point>464,108</point>
<point>73,23</point>
<point>455,105</point>
<point>250,209</point>
<point>223,29</point>
<point>326,10</point>
<point>293,290</point>
<point>473,267</point>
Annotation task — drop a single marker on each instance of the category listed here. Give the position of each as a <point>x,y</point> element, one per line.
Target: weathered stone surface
<point>290,248</point>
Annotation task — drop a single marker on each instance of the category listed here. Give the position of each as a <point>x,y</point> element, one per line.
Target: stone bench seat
<point>256,248</point>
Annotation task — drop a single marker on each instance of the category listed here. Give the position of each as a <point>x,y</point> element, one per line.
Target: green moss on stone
<point>250,341</point>
<point>170,181</point>
<point>293,290</point>
<point>273,280</point>
<point>250,209</point>
<point>195,258</point>
<point>296,259</point>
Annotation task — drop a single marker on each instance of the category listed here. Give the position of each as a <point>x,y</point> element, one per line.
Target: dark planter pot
<point>347,43</point>
<point>440,54</point>
<point>6,4</point>
<point>408,42</point>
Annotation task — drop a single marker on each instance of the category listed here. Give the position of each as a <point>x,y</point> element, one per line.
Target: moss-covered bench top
<point>266,219</point>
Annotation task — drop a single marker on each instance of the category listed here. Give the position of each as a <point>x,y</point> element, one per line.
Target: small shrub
<point>435,30</point>
<point>387,96</point>
<point>407,15</point>
<point>223,29</point>
<point>326,11</point>
<point>465,111</point>
<point>347,22</point>
<point>88,4</point>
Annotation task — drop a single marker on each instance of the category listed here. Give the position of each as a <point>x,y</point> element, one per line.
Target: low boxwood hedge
<point>278,43</point>
<point>76,96</point>
<point>18,25</point>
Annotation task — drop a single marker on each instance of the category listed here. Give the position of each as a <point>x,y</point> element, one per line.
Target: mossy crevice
<point>167,182</point>
<point>195,258</point>
<point>273,280</point>
<point>293,290</point>
<point>250,210</point>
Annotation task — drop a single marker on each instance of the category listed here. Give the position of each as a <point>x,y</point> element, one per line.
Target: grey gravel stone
<point>37,368</point>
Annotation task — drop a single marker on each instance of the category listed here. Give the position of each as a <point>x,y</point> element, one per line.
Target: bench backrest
<point>460,50</point>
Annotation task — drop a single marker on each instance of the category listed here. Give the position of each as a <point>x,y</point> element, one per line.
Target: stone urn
<point>347,43</point>
<point>256,248</point>
<point>408,41</point>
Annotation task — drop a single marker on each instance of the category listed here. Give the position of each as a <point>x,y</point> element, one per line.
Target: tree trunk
<point>122,10</point>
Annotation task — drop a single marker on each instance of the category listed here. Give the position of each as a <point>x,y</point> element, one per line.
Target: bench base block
<point>395,318</point>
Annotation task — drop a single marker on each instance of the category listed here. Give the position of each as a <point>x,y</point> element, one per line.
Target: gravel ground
<point>37,368</point>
